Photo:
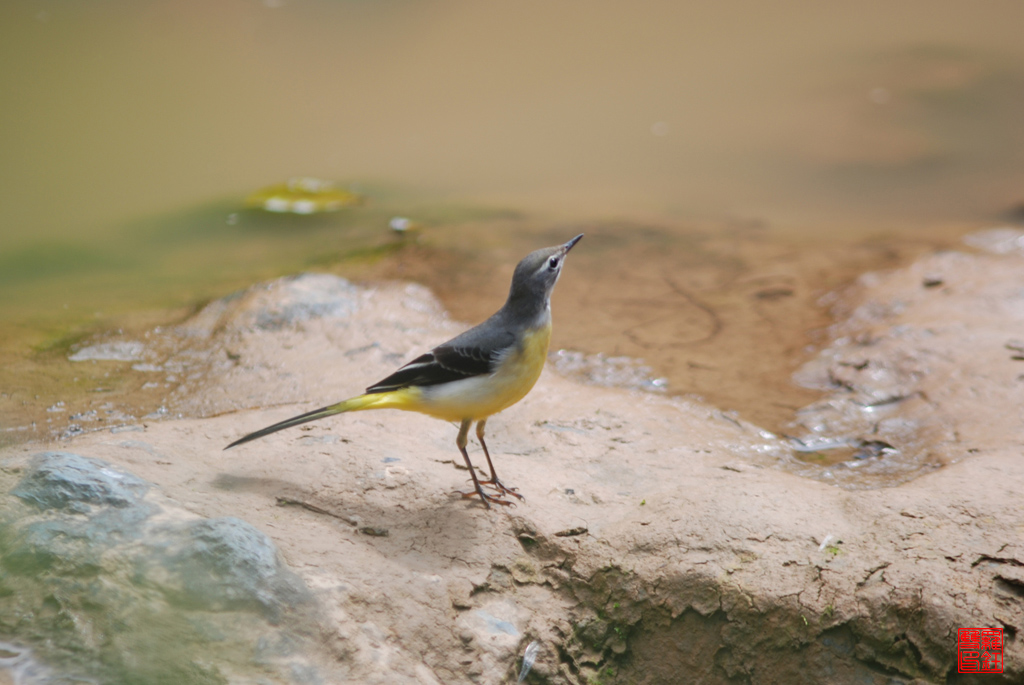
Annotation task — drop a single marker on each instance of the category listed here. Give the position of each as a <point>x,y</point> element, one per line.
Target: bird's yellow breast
<point>481,396</point>
<point>524,364</point>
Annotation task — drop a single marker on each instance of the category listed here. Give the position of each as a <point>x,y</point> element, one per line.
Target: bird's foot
<point>503,489</point>
<point>486,499</point>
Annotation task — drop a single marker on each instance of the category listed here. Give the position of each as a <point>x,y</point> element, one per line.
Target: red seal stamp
<point>979,650</point>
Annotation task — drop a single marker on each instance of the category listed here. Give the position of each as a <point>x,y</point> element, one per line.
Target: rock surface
<point>112,584</point>
<point>661,541</point>
<point>925,362</point>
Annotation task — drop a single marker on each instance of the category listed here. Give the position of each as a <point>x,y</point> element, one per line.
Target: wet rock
<point>109,582</point>
<point>118,351</point>
<point>918,371</point>
<point>1004,240</point>
<point>59,480</point>
<point>613,372</point>
<point>276,305</point>
<point>22,667</point>
<point>220,564</point>
<point>305,297</point>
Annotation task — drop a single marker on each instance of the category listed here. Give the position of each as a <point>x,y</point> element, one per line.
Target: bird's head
<point>535,276</point>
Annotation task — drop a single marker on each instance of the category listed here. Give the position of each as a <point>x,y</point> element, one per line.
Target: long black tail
<point>296,420</point>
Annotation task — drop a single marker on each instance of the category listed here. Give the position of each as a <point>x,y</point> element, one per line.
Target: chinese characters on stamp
<point>979,650</point>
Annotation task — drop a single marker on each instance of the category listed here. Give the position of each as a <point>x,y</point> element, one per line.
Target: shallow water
<point>729,164</point>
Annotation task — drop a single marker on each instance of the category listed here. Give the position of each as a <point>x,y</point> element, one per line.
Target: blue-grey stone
<point>62,480</point>
<point>221,564</point>
<point>96,581</point>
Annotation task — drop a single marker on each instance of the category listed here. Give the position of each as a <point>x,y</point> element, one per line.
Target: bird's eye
<point>553,263</point>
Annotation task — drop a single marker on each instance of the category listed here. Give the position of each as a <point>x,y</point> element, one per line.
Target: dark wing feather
<point>474,353</point>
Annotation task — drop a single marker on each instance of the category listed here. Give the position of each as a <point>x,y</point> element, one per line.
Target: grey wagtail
<point>474,375</point>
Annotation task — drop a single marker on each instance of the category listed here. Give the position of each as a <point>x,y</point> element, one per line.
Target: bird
<point>474,375</point>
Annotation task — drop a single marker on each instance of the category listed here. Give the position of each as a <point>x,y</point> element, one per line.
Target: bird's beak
<point>568,245</point>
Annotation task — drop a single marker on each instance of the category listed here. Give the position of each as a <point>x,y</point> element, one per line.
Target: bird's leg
<point>494,482</point>
<point>462,441</point>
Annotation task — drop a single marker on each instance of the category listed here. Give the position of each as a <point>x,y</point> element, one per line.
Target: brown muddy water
<point>729,163</point>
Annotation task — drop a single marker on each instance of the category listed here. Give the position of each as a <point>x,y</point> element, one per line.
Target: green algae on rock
<point>303,195</point>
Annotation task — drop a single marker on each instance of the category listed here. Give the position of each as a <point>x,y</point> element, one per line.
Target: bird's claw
<point>503,489</point>
<point>486,499</point>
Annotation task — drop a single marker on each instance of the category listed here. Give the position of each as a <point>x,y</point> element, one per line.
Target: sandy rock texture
<point>926,362</point>
<point>661,541</point>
